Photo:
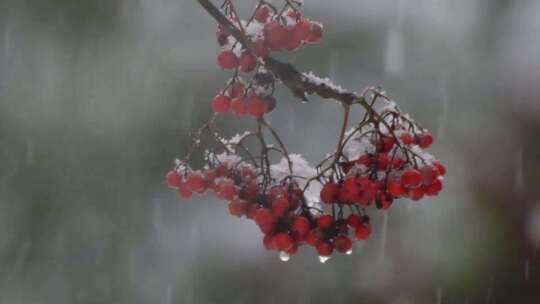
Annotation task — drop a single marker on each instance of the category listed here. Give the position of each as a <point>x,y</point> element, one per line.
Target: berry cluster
<point>383,157</point>
<point>242,101</point>
<point>279,210</point>
<point>270,29</point>
<point>386,160</point>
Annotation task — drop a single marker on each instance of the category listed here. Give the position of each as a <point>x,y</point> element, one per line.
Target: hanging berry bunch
<point>270,29</point>
<point>382,157</point>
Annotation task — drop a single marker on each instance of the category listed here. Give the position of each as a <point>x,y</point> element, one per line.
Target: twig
<point>295,81</point>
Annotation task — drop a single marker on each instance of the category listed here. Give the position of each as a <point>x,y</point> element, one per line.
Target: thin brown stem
<point>280,142</point>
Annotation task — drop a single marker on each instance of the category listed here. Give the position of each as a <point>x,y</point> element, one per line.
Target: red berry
<point>247,62</point>
<point>349,191</point>
<point>222,170</point>
<point>429,174</point>
<point>267,228</point>
<point>365,160</point>
<point>350,184</point>
<point>250,191</point>
<point>346,166</point>
<point>382,161</point>
<point>416,194</point>
<point>397,162</point>
<point>227,60</point>
<point>294,203</point>
<point>407,138</point>
<point>280,207</point>
<point>174,180</point>
<point>324,248</point>
<point>368,191</point>
<point>354,220</point>
<point>238,107</point>
<point>251,210</point>
<point>293,14</point>
<point>426,139</point>
<point>283,241</point>
<point>365,198</point>
<point>184,192</point>
<point>386,144</point>
<point>315,34</point>
<point>325,222</point>
<point>363,231</point>
<point>385,201</point>
<point>278,192</point>
<point>227,190</point>
<point>247,173</point>
<point>314,236</point>
<point>411,178</point>
<point>396,189</point>
<point>329,193</point>
<point>210,175</point>
<point>294,192</point>
<point>434,188</point>
<point>301,31</point>
<point>221,104</point>
<point>440,167</point>
<point>268,242</point>
<point>195,183</point>
<point>209,178</point>
<point>300,226</point>
<point>260,49</point>
<point>256,106</point>
<point>363,181</point>
<point>293,43</point>
<point>236,89</point>
<point>237,208</point>
<point>276,35</point>
<point>342,244</point>
<point>264,217</point>
<point>262,13</point>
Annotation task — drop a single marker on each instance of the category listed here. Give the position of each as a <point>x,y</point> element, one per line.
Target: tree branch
<point>295,81</point>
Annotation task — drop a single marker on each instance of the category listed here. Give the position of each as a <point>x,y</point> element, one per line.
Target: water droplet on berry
<point>349,252</point>
<point>323,259</point>
<point>284,257</point>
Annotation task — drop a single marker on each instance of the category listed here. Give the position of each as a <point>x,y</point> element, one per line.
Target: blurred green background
<point>97,99</point>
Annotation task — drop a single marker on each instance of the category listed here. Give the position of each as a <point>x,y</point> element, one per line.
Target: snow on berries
<point>381,159</point>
